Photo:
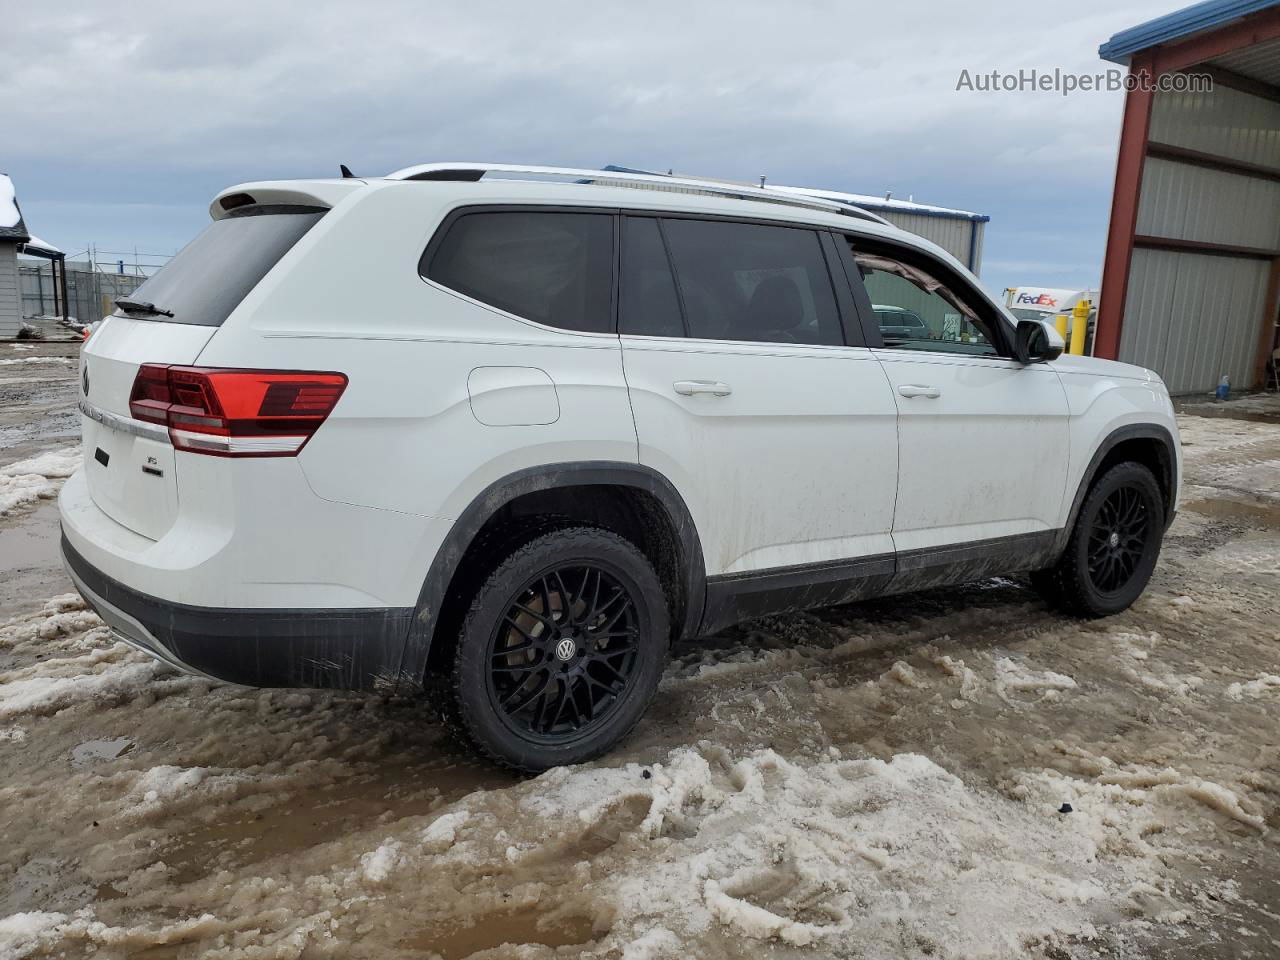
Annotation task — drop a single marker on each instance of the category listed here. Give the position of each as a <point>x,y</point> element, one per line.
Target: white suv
<point>466,428</point>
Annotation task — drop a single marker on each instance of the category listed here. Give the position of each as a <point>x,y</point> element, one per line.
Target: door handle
<point>919,390</point>
<point>692,388</point>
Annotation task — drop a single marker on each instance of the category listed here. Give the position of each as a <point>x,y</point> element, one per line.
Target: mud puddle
<point>93,752</point>
<point>1255,514</point>
<point>30,564</point>
<point>311,818</point>
<point>531,925</point>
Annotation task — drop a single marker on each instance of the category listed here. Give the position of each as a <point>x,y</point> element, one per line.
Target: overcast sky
<point>119,121</point>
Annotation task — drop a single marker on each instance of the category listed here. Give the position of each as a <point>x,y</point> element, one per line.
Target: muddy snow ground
<point>879,780</point>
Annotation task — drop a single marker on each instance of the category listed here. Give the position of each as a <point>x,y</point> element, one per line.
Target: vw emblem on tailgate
<point>84,376</point>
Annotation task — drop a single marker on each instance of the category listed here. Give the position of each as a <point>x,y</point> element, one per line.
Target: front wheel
<point>1113,546</point>
<point>561,651</point>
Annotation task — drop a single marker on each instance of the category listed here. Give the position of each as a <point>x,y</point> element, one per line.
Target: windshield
<point>215,271</point>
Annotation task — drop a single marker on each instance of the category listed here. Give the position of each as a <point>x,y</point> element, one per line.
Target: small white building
<point>15,238</point>
<point>13,232</point>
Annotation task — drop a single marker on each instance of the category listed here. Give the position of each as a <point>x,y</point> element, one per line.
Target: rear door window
<point>551,267</point>
<point>215,271</point>
<point>753,282</point>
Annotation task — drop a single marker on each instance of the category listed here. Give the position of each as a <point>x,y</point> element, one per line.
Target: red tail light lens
<point>236,413</point>
<point>150,398</point>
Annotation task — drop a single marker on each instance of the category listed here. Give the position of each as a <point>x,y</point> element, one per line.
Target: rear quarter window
<point>550,267</point>
<point>211,275</point>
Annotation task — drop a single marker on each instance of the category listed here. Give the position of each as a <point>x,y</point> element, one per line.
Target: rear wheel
<point>561,650</point>
<point>1113,546</point>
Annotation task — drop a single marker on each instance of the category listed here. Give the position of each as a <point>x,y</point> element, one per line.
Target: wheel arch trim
<point>1133,431</point>
<point>498,494</point>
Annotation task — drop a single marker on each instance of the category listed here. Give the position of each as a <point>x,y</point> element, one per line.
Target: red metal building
<point>1191,280</point>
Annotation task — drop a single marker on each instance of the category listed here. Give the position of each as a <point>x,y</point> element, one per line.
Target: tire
<point>1113,547</point>
<point>561,651</point>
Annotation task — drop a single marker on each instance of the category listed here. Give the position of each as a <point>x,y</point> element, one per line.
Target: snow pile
<point>1122,807</point>
<point>377,866</point>
<point>9,215</point>
<point>72,662</point>
<point>856,850</point>
<point>41,694</point>
<point>443,832</point>
<point>1013,678</point>
<point>1254,688</point>
<point>23,933</point>
<point>970,685</point>
<point>35,479</point>
<point>47,625</point>
<point>1137,663</point>
<point>166,782</point>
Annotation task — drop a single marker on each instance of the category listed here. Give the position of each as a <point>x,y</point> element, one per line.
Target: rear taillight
<point>235,413</point>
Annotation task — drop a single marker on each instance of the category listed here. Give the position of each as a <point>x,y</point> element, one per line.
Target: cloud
<point>163,103</point>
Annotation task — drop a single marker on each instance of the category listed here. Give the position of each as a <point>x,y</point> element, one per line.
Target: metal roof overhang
<point>1177,26</point>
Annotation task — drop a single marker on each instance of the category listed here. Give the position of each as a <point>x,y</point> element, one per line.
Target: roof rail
<point>611,178</point>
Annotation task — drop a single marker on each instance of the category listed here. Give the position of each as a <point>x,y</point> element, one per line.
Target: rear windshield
<point>215,271</point>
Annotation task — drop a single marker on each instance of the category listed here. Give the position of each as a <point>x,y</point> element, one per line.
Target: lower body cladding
<point>732,598</point>
<point>350,649</point>
<point>364,649</point>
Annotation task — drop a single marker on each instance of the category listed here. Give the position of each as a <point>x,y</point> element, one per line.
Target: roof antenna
<point>346,172</point>
<point>888,194</point>
<point>762,179</point>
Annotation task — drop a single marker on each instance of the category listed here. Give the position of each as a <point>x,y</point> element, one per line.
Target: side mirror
<point>1037,341</point>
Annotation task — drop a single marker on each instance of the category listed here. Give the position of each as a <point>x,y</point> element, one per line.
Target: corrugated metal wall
<point>1225,122</point>
<point>1213,206</point>
<point>10,302</point>
<point>951,234</point>
<point>1193,316</point>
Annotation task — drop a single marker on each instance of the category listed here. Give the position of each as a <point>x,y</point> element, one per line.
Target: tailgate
<point>129,465</point>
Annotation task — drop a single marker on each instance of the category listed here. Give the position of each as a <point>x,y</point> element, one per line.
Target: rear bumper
<point>349,649</point>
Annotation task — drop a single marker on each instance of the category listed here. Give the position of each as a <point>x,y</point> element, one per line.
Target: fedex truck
<point>1049,303</point>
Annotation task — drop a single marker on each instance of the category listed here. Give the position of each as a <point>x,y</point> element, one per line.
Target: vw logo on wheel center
<point>566,648</point>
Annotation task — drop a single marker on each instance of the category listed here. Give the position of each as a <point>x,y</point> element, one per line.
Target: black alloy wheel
<point>1118,538</point>
<point>561,650</point>
<point>1113,546</point>
<point>564,652</point>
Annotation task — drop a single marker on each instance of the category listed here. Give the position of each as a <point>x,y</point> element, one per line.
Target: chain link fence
<point>92,284</point>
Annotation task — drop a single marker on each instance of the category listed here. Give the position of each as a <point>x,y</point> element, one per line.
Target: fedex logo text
<point>1044,300</point>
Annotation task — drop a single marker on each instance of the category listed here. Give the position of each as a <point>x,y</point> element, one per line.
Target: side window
<point>742,281</point>
<point>555,268</point>
<point>647,300</point>
<point>915,311</point>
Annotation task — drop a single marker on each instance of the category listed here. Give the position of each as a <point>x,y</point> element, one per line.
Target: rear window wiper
<point>144,307</point>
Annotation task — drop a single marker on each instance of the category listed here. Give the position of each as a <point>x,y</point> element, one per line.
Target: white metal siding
<point>1225,122</point>
<point>950,233</point>
<point>1192,317</point>
<point>10,300</point>
<point>1214,206</point>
